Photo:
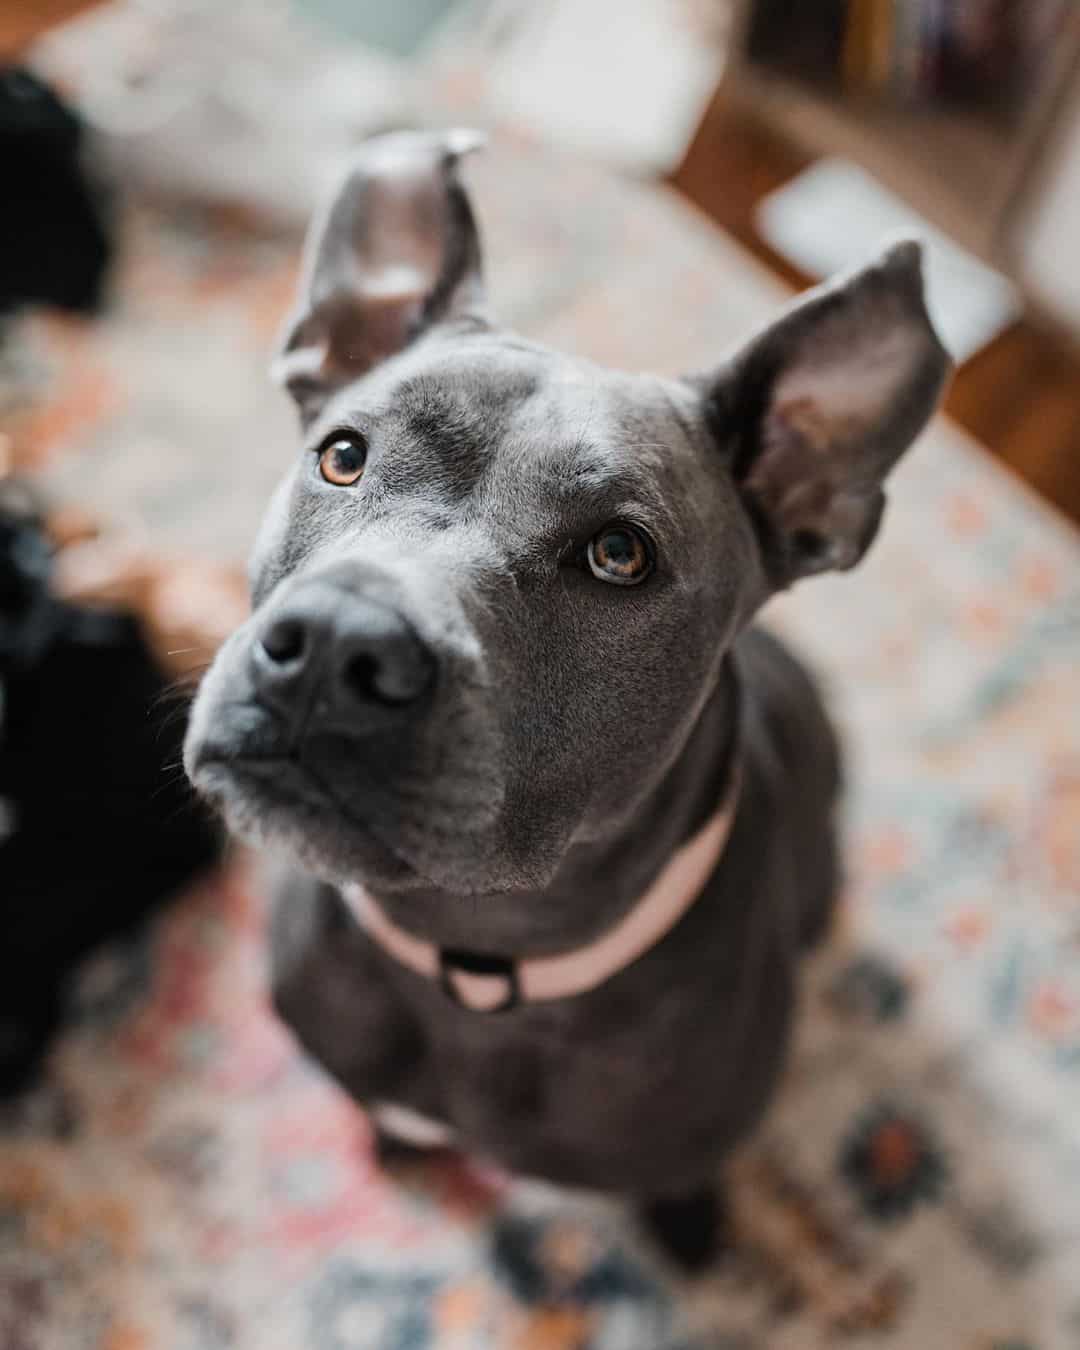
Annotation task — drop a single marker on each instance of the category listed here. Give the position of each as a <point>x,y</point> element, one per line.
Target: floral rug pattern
<point>185,1180</point>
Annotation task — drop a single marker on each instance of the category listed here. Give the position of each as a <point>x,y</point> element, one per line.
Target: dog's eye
<point>620,554</point>
<point>342,460</point>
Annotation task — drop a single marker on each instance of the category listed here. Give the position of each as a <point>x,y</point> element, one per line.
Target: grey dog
<point>500,691</point>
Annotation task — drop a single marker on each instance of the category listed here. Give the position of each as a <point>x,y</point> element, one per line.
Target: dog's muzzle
<point>328,657</point>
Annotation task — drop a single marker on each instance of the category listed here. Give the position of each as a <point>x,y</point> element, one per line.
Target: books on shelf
<point>976,51</point>
<point>869,42</point>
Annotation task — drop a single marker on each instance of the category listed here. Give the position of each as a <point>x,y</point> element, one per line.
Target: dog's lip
<point>266,767</point>
<point>263,769</point>
<point>229,759</point>
<point>213,757</point>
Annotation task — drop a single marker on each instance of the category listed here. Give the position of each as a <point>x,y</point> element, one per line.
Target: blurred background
<point>660,176</point>
<point>965,111</point>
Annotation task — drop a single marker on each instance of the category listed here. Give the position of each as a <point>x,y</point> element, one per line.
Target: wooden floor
<point>21,21</point>
<point>1020,396</point>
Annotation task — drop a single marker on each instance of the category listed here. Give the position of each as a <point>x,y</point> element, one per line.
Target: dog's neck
<point>597,882</point>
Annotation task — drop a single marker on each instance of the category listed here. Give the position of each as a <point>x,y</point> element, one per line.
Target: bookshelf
<point>964,161</point>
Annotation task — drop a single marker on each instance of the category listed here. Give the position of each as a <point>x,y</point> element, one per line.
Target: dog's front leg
<point>329,985</point>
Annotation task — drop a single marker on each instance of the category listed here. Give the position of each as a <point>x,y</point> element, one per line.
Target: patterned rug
<point>186,1180</point>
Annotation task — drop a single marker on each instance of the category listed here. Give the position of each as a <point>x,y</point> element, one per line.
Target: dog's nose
<point>332,652</point>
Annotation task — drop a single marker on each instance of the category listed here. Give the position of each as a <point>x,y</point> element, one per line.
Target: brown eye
<point>342,460</point>
<point>620,554</point>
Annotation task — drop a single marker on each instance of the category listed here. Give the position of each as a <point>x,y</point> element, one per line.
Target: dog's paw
<point>691,1229</point>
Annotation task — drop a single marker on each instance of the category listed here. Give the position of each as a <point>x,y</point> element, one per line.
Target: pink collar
<point>494,984</point>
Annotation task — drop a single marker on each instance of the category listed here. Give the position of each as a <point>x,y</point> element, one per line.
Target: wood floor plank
<point>1020,396</point>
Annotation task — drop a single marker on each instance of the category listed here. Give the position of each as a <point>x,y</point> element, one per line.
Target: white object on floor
<point>626,81</point>
<point>835,214</point>
<point>410,1126</point>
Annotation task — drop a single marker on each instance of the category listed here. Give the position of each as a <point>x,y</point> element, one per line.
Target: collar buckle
<point>487,984</point>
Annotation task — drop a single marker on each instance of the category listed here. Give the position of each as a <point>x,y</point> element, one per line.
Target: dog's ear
<point>817,409</point>
<point>395,251</point>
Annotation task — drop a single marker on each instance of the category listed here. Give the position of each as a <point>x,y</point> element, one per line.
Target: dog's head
<point>494,591</point>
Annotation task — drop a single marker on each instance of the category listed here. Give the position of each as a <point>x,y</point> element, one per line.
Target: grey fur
<point>578,731</point>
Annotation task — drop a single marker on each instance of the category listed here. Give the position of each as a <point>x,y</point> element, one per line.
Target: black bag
<point>97,823</point>
<point>53,240</point>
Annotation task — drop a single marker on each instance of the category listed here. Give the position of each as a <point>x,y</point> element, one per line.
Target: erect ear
<point>395,251</point>
<point>817,409</point>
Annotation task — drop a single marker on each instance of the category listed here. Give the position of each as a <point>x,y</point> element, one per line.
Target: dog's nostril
<point>398,674</point>
<point>361,675</point>
<point>284,641</point>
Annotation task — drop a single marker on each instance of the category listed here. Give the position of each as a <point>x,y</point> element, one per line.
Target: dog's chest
<point>657,1068</point>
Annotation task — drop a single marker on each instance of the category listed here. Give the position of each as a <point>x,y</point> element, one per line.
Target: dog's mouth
<point>274,780</point>
<point>276,801</point>
<point>396,814</point>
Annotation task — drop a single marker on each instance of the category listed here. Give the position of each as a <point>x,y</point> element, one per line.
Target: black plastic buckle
<point>452,959</point>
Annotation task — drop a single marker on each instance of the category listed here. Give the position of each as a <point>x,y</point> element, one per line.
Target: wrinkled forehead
<point>490,417</point>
